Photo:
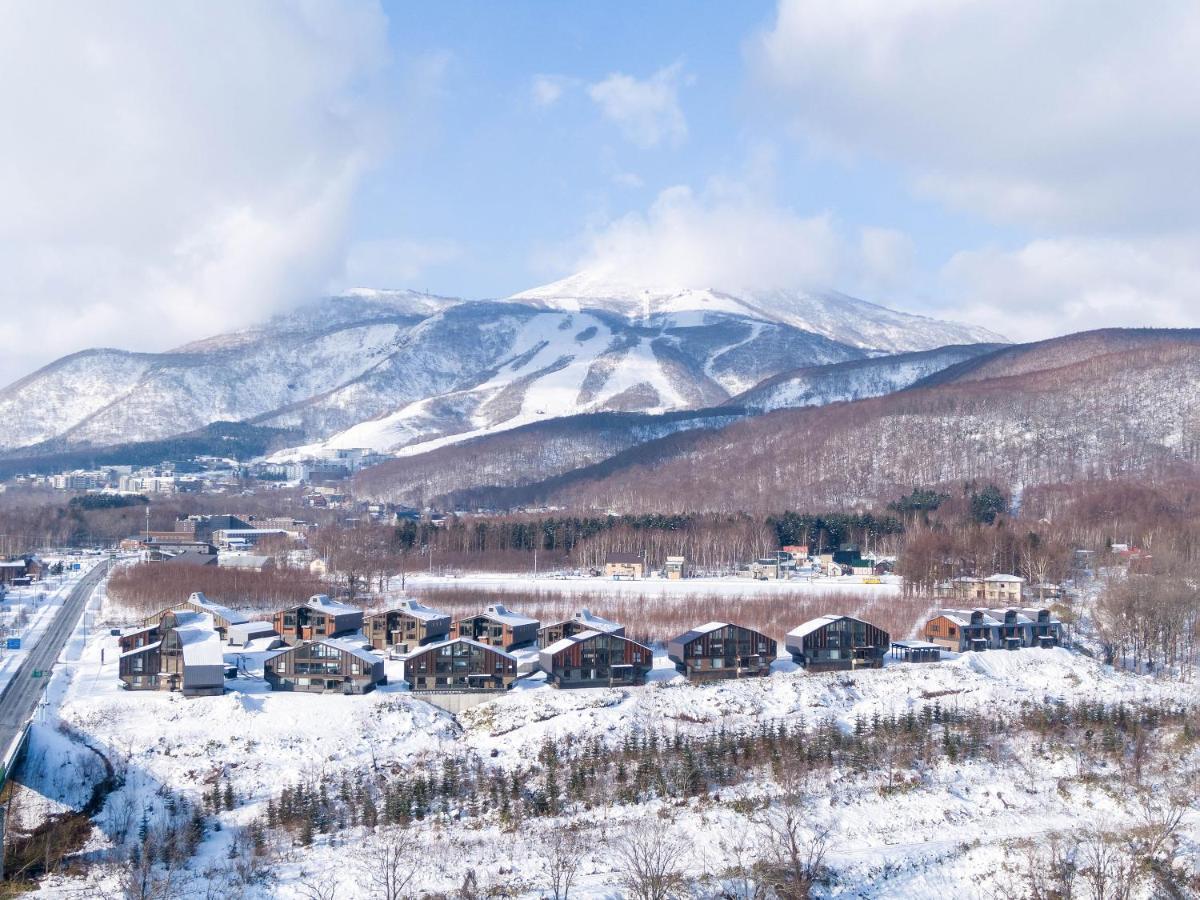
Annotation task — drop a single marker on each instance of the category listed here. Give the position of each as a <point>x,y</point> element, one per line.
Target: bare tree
<point>652,862</point>
<point>559,855</point>
<point>389,864</point>
<point>793,855</point>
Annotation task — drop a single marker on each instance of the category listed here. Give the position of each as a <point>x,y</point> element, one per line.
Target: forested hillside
<point>1120,412</point>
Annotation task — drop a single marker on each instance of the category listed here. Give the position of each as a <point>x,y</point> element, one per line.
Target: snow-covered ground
<point>942,837</point>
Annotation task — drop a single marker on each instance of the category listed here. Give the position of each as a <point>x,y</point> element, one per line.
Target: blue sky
<point>171,171</point>
<point>505,186</point>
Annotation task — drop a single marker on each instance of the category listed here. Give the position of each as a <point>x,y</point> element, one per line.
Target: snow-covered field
<point>944,836</point>
<point>731,586</point>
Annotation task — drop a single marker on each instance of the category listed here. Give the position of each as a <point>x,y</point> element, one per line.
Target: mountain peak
<point>831,314</point>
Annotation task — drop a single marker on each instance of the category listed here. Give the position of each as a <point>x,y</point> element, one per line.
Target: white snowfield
<point>730,586</point>
<point>262,741</point>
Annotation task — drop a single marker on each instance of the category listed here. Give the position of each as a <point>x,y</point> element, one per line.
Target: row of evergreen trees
<point>657,763</point>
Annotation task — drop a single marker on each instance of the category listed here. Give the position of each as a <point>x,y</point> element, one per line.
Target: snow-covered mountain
<point>856,379</point>
<point>402,372</point>
<point>834,315</point>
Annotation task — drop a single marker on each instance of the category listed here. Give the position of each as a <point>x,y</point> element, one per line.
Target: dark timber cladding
<point>721,650</point>
<point>497,626</point>
<point>833,642</point>
<point>595,659</point>
<point>460,664</point>
<point>327,666</point>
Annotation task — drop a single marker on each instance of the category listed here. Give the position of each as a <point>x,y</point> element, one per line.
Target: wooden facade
<point>324,667</point>
<point>182,652</point>
<point>460,664</point>
<point>580,622</point>
<point>833,643</point>
<point>629,566</point>
<point>406,627</point>
<point>722,650</point>
<point>223,617</point>
<point>595,659</point>
<point>497,626</point>
<point>316,620</point>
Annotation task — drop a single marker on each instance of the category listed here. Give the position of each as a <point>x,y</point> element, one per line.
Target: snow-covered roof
<point>814,624</point>
<point>251,531</point>
<point>252,627</point>
<point>592,621</point>
<point>1002,578</point>
<point>708,627</point>
<point>353,647</point>
<point>419,610</point>
<point>201,644</point>
<point>916,645</point>
<point>425,648</point>
<point>140,629</point>
<point>323,603</point>
<point>14,564</point>
<point>564,643</point>
<point>142,649</point>
<point>243,560</point>
<point>234,618</point>
<point>501,613</point>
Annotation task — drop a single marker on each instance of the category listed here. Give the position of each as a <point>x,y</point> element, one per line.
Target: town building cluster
<point>325,646</point>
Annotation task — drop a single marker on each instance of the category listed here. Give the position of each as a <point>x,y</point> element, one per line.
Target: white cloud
<point>547,90</point>
<point>731,237</point>
<point>647,111</point>
<point>1060,285</point>
<point>396,262</point>
<point>1042,112</point>
<point>170,170</point>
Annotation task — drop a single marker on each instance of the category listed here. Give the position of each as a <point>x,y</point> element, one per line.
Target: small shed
<point>244,632</point>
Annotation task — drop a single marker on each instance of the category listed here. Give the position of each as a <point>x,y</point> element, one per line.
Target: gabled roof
<point>141,629</point>
<point>234,618</point>
<point>818,623</point>
<point>1003,578</point>
<point>425,648</point>
<point>353,647</point>
<point>500,613</point>
<point>323,603</point>
<point>419,610</point>
<point>623,558</point>
<point>142,649</point>
<point>200,642</point>
<point>592,621</point>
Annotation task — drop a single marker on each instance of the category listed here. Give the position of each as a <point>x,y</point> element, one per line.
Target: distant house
<point>327,665</point>
<point>674,567</point>
<point>624,566</point>
<point>832,642</point>
<point>1003,590</point>
<point>12,569</point>
<point>182,652</point>
<point>962,630</point>
<point>497,626</point>
<point>251,562</point>
<point>583,620</point>
<point>317,619</point>
<point>595,659</point>
<point>721,650</point>
<point>406,627</point>
<point>460,664</point>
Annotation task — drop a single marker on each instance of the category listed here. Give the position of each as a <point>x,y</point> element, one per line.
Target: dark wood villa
<point>580,622</point>
<point>182,652</point>
<point>317,619</point>
<point>498,627</point>
<point>223,617</point>
<point>832,643</point>
<point>460,664</point>
<point>329,665</point>
<point>721,650</point>
<point>408,626</point>
<point>595,659</point>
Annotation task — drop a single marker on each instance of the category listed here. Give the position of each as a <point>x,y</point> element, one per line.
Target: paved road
<point>20,696</point>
